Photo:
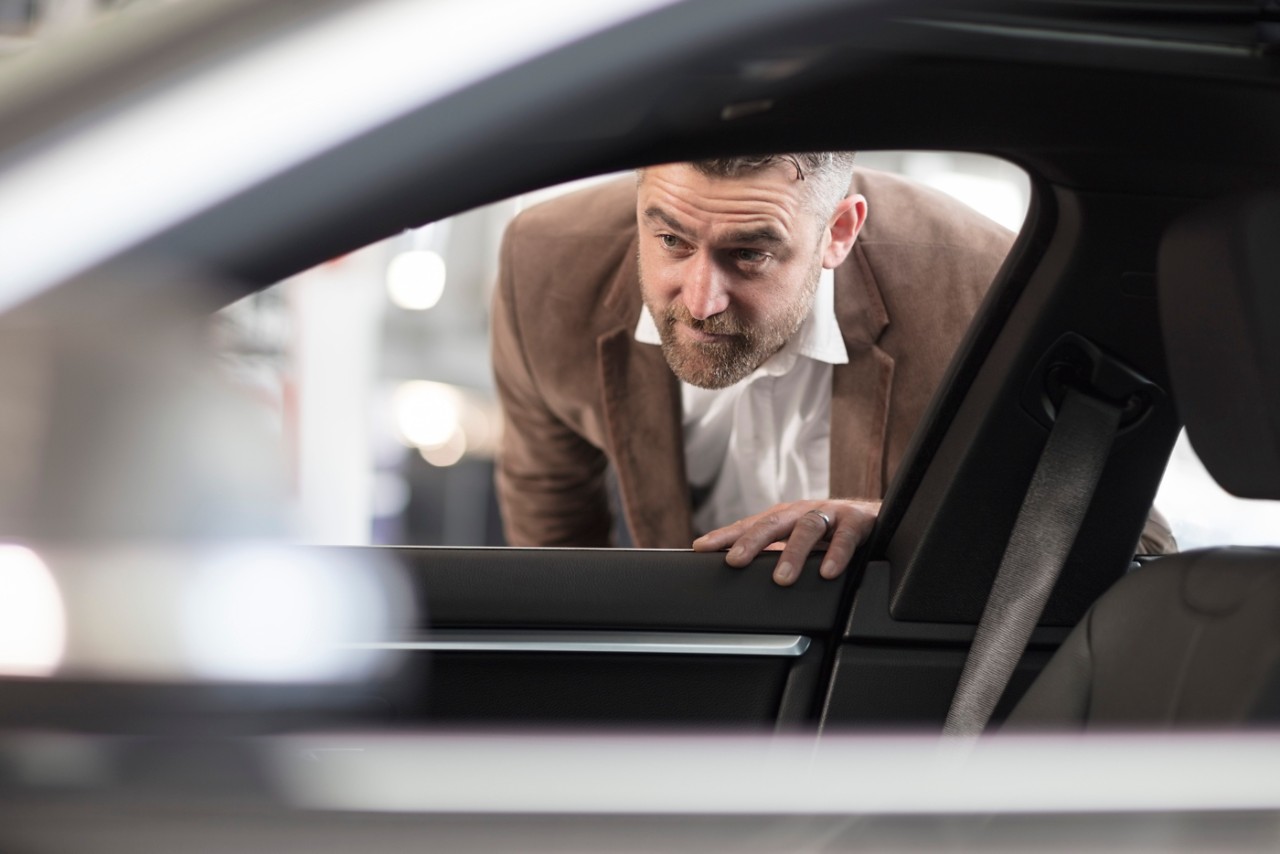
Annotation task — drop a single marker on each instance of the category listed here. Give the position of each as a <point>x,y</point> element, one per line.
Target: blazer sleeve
<point>550,480</point>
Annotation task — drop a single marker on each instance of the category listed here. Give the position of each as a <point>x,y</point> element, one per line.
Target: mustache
<point>718,324</point>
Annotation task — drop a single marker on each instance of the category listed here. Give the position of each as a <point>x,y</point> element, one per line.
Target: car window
<point>1202,514</point>
<point>375,366</point>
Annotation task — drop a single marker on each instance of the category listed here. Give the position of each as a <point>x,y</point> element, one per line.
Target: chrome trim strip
<point>1031,32</point>
<point>664,643</point>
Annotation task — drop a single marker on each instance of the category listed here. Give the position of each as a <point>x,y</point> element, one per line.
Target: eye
<point>749,256</point>
<point>670,241</point>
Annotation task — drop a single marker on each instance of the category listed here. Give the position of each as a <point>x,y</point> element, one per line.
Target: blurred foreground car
<point>179,160</point>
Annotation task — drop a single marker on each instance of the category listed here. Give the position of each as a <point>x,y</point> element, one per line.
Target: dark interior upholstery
<point>1193,640</point>
<point>1219,287</point>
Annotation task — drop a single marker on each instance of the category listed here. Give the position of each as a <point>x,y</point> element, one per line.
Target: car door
<point>561,637</point>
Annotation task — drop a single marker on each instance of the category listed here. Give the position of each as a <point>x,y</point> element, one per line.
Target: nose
<point>704,290</point>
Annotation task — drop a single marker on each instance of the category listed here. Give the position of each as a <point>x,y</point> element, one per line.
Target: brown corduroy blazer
<point>579,392</point>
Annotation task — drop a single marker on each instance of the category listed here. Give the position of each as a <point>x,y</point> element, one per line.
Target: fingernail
<point>828,569</point>
<point>782,573</point>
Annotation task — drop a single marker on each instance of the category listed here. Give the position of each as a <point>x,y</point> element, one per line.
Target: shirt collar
<point>818,337</point>
<point>647,329</point>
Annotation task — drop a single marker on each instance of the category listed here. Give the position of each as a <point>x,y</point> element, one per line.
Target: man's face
<point>728,266</point>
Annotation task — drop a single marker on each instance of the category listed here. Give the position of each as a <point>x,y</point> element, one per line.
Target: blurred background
<point>23,22</point>
<point>374,367</point>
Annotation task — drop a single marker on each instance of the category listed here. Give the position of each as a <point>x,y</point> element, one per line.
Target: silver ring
<point>826,521</point>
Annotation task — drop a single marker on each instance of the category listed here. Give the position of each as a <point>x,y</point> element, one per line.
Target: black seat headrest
<point>1218,277</point>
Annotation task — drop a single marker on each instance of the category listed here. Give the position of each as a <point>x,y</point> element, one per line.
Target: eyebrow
<point>755,237</point>
<point>666,219</point>
<point>749,237</point>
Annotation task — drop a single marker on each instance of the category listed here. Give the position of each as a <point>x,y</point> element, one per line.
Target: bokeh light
<point>32,617</point>
<point>415,279</point>
<point>427,414</point>
<point>447,454</point>
<point>276,615</point>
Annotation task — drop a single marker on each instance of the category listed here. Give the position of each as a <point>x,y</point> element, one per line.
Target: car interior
<point>1131,280</point>
<point>1189,640</point>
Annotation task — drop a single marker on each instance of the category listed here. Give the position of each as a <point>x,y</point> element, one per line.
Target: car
<point>169,163</point>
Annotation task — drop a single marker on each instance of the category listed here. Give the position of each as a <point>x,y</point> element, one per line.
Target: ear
<point>842,230</point>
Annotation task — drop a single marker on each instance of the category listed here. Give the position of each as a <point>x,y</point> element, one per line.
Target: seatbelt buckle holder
<point>1074,362</point>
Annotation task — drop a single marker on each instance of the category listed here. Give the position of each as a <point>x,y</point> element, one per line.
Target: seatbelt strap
<point>1050,518</point>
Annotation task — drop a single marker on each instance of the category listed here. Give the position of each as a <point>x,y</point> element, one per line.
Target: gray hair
<point>831,173</point>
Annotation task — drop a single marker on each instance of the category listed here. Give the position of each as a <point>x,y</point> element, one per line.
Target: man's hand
<point>796,528</point>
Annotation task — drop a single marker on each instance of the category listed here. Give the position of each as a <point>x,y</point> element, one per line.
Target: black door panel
<point>614,589</point>
<point>637,638</point>
<point>621,689</point>
<point>902,674</point>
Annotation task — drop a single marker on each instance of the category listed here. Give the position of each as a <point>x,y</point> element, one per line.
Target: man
<point>642,324</point>
<point>740,339</point>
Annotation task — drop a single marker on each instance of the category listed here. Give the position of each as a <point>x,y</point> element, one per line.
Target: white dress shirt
<point>767,438</point>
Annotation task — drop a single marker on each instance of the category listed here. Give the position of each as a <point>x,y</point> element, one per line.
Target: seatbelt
<point>1050,518</point>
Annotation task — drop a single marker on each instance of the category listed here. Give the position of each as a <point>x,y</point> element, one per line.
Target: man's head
<point>731,251</point>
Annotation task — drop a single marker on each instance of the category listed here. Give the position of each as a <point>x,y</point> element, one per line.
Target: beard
<point>744,347</point>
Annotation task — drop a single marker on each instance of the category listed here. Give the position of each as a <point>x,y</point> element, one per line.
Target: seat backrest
<point>1193,640</point>
<point>1189,640</point>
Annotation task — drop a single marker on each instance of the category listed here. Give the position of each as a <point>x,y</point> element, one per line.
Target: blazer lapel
<point>860,390</point>
<point>642,421</point>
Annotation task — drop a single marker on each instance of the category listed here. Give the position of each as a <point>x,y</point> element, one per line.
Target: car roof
<point>1111,95</point>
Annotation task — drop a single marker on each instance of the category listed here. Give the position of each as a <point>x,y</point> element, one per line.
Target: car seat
<point>1193,640</point>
